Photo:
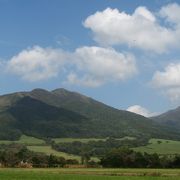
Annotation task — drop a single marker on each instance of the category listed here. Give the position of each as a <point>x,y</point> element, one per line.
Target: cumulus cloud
<point>140,110</point>
<point>171,12</point>
<point>170,77</point>
<point>37,63</point>
<point>90,66</point>
<point>142,29</point>
<point>96,66</point>
<point>168,81</point>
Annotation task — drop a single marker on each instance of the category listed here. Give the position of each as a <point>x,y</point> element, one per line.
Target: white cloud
<point>170,77</point>
<point>171,12</point>
<point>168,81</point>
<point>37,63</point>
<point>140,110</point>
<point>86,80</point>
<point>90,66</point>
<point>96,66</point>
<point>142,29</point>
<point>173,94</point>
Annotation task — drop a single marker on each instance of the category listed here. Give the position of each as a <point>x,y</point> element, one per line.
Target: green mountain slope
<point>62,113</point>
<point>170,118</point>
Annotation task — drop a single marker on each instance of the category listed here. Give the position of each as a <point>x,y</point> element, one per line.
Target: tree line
<point>127,158</point>
<point>15,155</point>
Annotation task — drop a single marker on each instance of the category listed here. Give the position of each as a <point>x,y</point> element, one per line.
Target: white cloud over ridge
<point>93,66</point>
<point>140,110</point>
<point>141,29</point>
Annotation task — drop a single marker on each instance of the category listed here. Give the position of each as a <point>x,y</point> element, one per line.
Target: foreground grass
<point>89,174</point>
<point>160,146</point>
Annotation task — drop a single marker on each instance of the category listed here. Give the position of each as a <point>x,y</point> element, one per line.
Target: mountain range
<point>62,113</point>
<point>170,118</point>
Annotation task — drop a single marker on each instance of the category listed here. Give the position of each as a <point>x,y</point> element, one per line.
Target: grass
<point>27,140</point>
<point>85,140</point>
<point>161,146</point>
<point>89,174</point>
<point>48,150</point>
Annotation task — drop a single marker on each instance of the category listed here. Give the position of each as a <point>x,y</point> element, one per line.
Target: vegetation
<point>127,158</point>
<point>88,174</point>
<point>86,140</point>
<point>170,118</point>
<point>48,151</point>
<point>27,140</point>
<point>15,155</point>
<point>96,148</point>
<point>82,140</point>
<point>61,113</point>
<point>160,146</point>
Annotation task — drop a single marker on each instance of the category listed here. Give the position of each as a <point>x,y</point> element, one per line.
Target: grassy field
<point>89,174</point>
<point>48,150</point>
<point>28,140</point>
<point>85,140</point>
<point>160,146</point>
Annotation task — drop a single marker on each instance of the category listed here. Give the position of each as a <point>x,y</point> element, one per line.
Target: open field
<point>48,150</point>
<point>89,174</point>
<point>160,146</point>
<point>27,140</point>
<point>86,140</point>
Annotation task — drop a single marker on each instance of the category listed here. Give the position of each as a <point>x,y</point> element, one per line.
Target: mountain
<point>170,118</point>
<point>62,113</point>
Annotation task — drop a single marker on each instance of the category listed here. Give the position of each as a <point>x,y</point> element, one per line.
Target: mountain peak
<point>63,113</point>
<point>60,91</point>
<point>38,90</point>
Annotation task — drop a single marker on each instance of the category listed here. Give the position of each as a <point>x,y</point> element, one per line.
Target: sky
<point>122,53</point>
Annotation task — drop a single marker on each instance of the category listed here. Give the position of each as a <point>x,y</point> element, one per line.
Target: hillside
<point>170,118</point>
<point>61,113</point>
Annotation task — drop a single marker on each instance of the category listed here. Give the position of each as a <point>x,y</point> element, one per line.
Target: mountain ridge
<point>62,113</point>
<point>170,118</point>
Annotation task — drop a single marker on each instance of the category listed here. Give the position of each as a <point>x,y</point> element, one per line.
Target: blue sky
<point>126,54</point>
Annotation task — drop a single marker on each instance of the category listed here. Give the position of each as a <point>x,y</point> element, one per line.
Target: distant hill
<point>170,118</point>
<point>62,113</point>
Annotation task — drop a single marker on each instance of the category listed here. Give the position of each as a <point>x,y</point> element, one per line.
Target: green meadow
<point>27,140</point>
<point>89,174</point>
<point>48,150</point>
<point>160,146</point>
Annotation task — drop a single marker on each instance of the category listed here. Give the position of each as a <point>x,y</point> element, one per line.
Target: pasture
<point>48,150</point>
<point>27,140</point>
<point>160,146</point>
<point>89,174</point>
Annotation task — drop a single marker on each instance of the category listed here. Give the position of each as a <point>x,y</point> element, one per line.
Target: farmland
<point>90,174</point>
<point>160,146</point>
<point>26,140</point>
<point>48,150</point>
